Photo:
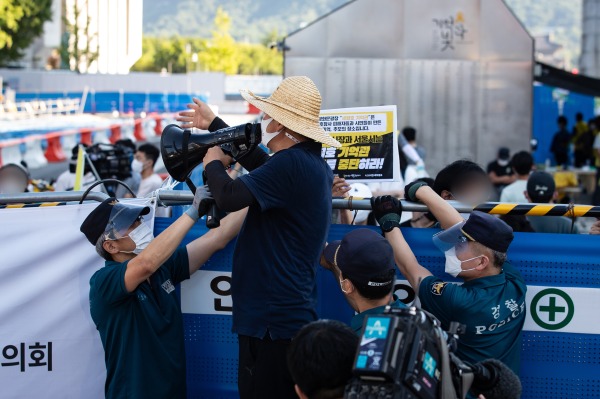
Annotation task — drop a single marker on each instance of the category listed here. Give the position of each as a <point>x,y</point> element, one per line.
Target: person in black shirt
<point>500,171</point>
<point>560,143</point>
<point>278,250</point>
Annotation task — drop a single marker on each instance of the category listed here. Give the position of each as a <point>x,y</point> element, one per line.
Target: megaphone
<point>182,151</point>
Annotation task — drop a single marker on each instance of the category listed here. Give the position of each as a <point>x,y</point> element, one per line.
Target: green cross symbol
<point>552,309</point>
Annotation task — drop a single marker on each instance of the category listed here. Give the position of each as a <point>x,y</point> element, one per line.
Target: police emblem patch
<point>438,288</point>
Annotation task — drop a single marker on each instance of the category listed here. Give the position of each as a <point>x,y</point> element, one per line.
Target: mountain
<point>257,20</point>
<point>252,20</point>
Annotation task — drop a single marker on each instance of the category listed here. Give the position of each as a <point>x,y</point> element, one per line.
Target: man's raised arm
<point>388,211</point>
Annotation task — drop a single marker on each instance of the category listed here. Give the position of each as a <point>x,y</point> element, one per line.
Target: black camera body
<point>111,161</point>
<point>405,354</point>
<point>399,357</point>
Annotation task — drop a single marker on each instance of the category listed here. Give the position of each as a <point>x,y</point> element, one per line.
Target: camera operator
<point>133,300</point>
<point>320,359</point>
<point>363,263</point>
<point>278,250</point>
<point>490,302</point>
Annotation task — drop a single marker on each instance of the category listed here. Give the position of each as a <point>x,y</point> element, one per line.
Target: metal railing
<point>174,198</point>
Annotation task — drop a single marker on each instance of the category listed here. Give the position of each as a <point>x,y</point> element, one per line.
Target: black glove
<point>388,211</point>
<point>202,201</point>
<point>410,191</point>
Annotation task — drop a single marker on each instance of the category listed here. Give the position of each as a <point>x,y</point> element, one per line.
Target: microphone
<point>494,380</point>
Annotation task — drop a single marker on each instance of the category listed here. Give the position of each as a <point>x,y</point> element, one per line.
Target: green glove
<point>388,212</point>
<point>410,191</point>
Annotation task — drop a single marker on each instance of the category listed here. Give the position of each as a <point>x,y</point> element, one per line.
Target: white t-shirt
<point>149,184</point>
<point>66,182</point>
<point>515,193</point>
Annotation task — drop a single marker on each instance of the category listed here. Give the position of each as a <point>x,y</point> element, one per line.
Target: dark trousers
<point>262,369</point>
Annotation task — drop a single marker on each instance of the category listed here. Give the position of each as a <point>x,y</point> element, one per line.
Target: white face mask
<point>503,162</point>
<point>141,236</point>
<point>266,137</point>
<point>137,166</point>
<point>454,265</point>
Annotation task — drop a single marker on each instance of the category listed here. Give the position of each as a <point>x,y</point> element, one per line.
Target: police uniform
<point>358,319</point>
<point>141,331</point>
<point>492,308</point>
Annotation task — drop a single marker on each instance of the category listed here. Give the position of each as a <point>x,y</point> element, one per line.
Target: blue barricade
<point>128,102</point>
<point>554,364</point>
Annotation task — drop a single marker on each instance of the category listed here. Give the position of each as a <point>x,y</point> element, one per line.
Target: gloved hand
<point>388,211</point>
<point>202,201</point>
<point>410,191</point>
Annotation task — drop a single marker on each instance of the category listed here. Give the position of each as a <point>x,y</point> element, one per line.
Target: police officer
<point>133,300</point>
<point>363,263</point>
<point>490,302</point>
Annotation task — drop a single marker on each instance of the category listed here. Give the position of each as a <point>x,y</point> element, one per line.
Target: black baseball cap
<point>488,230</point>
<point>504,153</point>
<point>112,217</point>
<point>362,255</point>
<point>540,187</point>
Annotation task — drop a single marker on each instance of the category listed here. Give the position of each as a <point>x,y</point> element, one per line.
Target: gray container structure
<point>589,62</point>
<point>460,72</point>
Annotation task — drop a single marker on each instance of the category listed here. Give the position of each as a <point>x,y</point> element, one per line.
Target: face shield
<point>121,218</point>
<point>450,238</point>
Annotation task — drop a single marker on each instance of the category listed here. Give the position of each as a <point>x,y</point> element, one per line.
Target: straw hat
<point>295,104</point>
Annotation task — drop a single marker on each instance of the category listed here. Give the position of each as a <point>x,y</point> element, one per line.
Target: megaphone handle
<point>191,185</point>
<point>212,216</point>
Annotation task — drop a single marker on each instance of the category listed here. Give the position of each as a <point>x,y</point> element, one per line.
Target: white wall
<point>115,32</point>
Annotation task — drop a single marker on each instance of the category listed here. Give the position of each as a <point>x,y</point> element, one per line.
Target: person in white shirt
<point>514,193</point>
<point>66,180</point>
<point>143,163</point>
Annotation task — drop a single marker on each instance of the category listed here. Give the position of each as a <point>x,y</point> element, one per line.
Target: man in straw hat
<point>278,249</point>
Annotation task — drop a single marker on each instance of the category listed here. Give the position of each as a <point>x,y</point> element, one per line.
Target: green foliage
<point>21,22</point>
<point>252,20</point>
<point>220,53</point>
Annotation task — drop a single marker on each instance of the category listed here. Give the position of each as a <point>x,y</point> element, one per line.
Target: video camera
<point>111,161</point>
<point>405,354</point>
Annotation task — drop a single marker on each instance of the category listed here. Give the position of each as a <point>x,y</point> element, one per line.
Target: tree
<point>220,54</point>
<point>75,48</point>
<point>21,22</point>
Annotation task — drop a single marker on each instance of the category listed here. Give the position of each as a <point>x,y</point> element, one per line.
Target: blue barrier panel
<point>545,113</point>
<point>554,364</point>
<point>136,102</point>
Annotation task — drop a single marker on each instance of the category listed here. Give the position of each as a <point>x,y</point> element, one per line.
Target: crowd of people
<point>280,211</point>
<point>581,144</point>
